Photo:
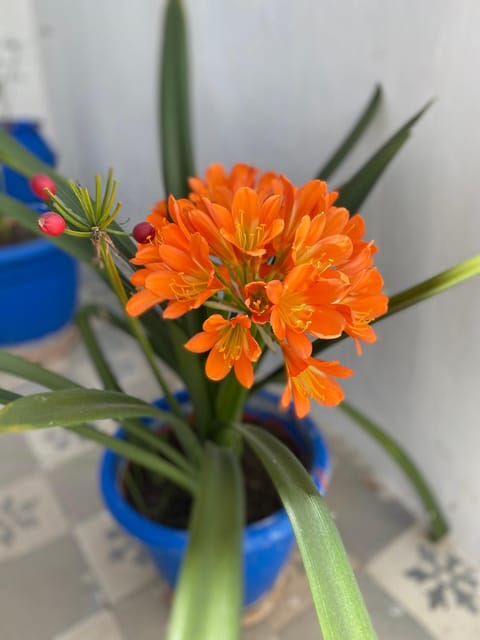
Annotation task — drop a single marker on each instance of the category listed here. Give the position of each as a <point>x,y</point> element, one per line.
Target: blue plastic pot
<point>266,544</point>
<point>27,133</point>
<point>38,289</point>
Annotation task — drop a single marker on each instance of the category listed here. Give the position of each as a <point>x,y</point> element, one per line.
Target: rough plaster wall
<point>276,83</point>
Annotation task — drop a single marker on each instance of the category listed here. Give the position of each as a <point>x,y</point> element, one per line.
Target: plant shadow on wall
<point>229,268</point>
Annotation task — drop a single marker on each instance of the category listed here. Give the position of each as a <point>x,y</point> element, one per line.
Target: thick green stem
<point>438,524</point>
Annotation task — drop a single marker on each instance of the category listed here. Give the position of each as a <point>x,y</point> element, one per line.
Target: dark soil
<point>164,502</point>
<point>12,233</point>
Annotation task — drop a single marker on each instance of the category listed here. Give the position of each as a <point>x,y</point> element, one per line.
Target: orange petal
<point>216,366</point>
<point>141,302</point>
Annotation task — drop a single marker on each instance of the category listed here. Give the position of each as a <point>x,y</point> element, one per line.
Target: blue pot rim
<point>24,123</point>
<point>28,250</point>
<point>257,534</point>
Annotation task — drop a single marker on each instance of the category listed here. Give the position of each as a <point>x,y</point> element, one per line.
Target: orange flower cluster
<point>281,263</point>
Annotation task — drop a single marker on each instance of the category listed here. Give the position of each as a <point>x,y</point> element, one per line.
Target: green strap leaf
<point>7,396</point>
<point>337,598</point>
<point>20,367</point>
<point>69,407</point>
<point>438,524</point>
<point>95,352</point>
<point>353,136</point>
<point>431,287</point>
<point>176,146</point>
<point>208,597</point>
<point>354,192</point>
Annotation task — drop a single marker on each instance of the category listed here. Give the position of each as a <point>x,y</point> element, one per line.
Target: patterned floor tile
<point>120,564</point>
<point>45,592</point>
<point>55,445</point>
<point>29,516</point>
<point>101,626</point>
<point>366,522</point>
<point>261,632</point>
<point>389,619</point>
<point>76,486</point>
<point>304,627</point>
<point>16,459</point>
<point>434,583</point>
<point>294,597</point>
<point>144,616</point>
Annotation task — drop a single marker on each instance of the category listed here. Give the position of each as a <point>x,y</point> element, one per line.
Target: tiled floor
<point>68,573</point>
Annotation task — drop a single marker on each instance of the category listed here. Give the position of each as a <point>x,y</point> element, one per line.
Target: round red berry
<point>39,183</point>
<point>143,232</point>
<point>51,223</point>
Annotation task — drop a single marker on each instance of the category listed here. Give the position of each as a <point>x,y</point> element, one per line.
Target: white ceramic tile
<point>55,445</point>
<point>435,583</point>
<point>30,516</point>
<point>101,626</point>
<point>120,564</point>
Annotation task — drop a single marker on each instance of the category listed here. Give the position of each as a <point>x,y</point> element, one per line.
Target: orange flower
<point>364,302</point>
<point>186,278</point>
<point>219,187</point>
<point>311,378</point>
<point>231,345</point>
<point>282,257</point>
<point>251,225</point>
<point>302,303</point>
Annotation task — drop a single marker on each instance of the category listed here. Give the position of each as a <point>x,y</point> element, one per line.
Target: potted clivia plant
<point>36,277</point>
<point>230,267</point>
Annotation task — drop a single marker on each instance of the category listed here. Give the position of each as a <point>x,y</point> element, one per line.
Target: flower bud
<point>51,223</point>
<point>39,183</point>
<point>143,232</point>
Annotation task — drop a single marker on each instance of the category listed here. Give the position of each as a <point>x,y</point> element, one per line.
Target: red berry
<point>51,223</point>
<point>39,183</point>
<point>143,232</point>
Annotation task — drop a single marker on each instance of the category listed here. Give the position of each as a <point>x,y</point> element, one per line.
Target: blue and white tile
<point>55,446</point>
<point>30,516</point>
<point>435,583</point>
<point>119,563</point>
<point>101,626</point>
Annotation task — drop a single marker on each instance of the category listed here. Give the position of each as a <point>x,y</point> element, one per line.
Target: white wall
<point>276,83</point>
<point>22,92</point>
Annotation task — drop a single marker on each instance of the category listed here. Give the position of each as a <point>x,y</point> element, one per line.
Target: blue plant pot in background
<point>38,286</point>
<point>38,281</point>
<point>266,544</point>
<point>27,133</point>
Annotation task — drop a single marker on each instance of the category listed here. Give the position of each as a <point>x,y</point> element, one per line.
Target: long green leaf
<point>208,598</point>
<point>338,602</point>
<point>7,396</point>
<point>107,376</point>
<point>431,287</point>
<point>21,368</point>
<point>72,406</point>
<point>354,191</point>
<point>176,146</point>
<point>438,524</point>
<point>353,136</point>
